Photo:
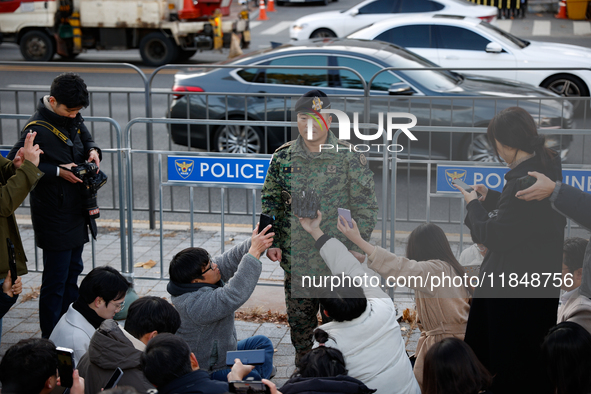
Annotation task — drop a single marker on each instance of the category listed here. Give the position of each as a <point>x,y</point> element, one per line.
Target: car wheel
<point>567,85</point>
<point>156,49</point>
<point>475,147</point>
<point>238,139</point>
<point>37,46</point>
<point>322,33</point>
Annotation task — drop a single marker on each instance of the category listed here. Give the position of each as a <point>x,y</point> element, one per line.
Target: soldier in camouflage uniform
<point>342,179</point>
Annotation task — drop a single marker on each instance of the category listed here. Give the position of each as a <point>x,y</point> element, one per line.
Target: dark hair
<point>345,302</point>
<point>188,264</point>
<point>566,354</point>
<point>27,365</point>
<point>322,361</point>
<point>574,253</point>
<point>428,242</point>
<point>70,90</point>
<point>514,127</point>
<point>147,314</point>
<point>451,367</point>
<point>105,282</point>
<point>121,390</point>
<point>166,358</point>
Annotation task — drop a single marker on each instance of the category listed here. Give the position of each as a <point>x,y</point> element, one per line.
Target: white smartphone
<point>347,215</point>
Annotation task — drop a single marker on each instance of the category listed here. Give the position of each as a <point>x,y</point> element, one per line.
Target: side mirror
<point>493,47</point>
<point>400,89</point>
<point>354,12</point>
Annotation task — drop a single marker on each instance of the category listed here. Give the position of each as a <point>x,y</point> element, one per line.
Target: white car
<point>345,22</point>
<point>468,42</point>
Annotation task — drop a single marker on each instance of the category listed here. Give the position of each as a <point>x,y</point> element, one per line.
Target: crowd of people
<point>474,339</point>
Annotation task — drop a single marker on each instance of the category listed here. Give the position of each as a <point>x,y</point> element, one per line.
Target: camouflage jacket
<point>343,180</point>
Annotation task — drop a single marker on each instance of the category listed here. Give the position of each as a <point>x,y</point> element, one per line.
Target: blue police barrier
<point>193,169</point>
<point>4,152</point>
<point>494,177</point>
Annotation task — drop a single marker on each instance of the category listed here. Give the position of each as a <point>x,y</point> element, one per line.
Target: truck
<point>164,31</point>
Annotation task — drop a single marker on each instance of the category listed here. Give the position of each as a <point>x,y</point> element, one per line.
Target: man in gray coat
<point>207,291</point>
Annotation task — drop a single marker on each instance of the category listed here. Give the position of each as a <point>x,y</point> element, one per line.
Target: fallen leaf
<point>32,295</point>
<point>231,238</point>
<point>402,328</point>
<point>147,265</point>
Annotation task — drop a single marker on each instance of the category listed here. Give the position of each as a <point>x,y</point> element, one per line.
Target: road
<point>123,106</point>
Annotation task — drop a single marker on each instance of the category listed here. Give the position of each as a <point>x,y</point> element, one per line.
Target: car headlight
<point>297,28</point>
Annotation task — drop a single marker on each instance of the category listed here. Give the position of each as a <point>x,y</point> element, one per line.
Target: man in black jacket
<point>57,211</point>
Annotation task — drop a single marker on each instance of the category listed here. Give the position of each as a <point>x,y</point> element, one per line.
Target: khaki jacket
<point>15,186</point>
<point>577,310</point>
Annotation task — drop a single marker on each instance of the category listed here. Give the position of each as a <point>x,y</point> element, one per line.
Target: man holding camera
<point>57,203</point>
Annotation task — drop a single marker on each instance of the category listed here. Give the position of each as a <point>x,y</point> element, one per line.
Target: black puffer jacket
<point>56,204</point>
<point>341,384</point>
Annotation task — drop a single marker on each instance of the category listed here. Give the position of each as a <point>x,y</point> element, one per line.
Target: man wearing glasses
<point>207,291</point>
<point>102,295</point>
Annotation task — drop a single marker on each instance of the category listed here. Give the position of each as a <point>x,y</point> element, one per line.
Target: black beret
<point>314,100</point>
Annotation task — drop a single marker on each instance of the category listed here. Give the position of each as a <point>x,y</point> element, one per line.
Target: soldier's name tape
<point>432,282</point>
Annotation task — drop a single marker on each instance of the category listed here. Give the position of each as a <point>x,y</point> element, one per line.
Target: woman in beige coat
<point>442,310</point>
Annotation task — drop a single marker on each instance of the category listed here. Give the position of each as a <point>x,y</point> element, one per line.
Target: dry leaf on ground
<point>147,265</point>
<point>32,295</point>
<point>258,315</point>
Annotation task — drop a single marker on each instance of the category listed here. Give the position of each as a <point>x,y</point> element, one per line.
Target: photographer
<point>57,203</point>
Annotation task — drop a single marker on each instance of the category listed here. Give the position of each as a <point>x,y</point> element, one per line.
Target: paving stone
<point>271,330</point>
<point>285,350</point>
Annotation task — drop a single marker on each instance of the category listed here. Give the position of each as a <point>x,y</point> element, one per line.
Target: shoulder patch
<point>362,159</point>
<point>284,146</point>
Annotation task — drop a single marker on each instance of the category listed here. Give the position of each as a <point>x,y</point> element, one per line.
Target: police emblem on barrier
<point>184,168</point>
<point>452,174</point>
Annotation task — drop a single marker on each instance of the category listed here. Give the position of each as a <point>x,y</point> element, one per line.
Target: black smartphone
<point>465,186</point>
<point>65,366</point>
<point>114,380</point>
<point>525,181</point>
<point>462,184</point>
<point>11,260</point>
<point>264,221</point>
<point>250,357</point>
<point>249,387</point>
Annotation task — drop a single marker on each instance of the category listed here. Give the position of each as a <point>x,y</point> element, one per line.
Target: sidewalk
<point>22,321</point>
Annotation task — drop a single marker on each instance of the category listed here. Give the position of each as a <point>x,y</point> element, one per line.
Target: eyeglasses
<point>120,306</point>
<point>210,267</point>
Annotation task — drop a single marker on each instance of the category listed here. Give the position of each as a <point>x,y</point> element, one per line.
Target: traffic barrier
<point>262,11</point>
<point>561,11</point>
<point>271,6</point>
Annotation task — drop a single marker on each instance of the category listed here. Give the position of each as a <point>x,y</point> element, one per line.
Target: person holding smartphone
<point>524,239</point>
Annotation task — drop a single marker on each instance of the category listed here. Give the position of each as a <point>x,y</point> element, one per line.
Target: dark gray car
<point>435,97</point>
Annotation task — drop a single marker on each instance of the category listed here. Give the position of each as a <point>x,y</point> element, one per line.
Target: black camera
<point>92,181</point>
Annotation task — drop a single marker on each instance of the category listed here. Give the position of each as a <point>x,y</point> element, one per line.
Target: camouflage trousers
<point>302,316</point>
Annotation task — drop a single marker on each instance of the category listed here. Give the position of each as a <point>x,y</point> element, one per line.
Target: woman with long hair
<point>515,305</point>
<point>451,367</point>
<point>323,370</point>
<point>442,310</point>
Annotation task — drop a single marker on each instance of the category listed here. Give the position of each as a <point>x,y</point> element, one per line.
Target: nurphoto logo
<point>345,129</point>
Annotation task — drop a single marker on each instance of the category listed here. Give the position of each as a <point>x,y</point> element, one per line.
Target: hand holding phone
<point>465,186</point>
<point>264,221</point>
<point>347,215</point>
<point>65,366</point>
<point>11,260</point>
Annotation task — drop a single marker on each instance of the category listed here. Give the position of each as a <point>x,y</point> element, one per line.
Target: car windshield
<point>495,30</point>
<point>435,80</point>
